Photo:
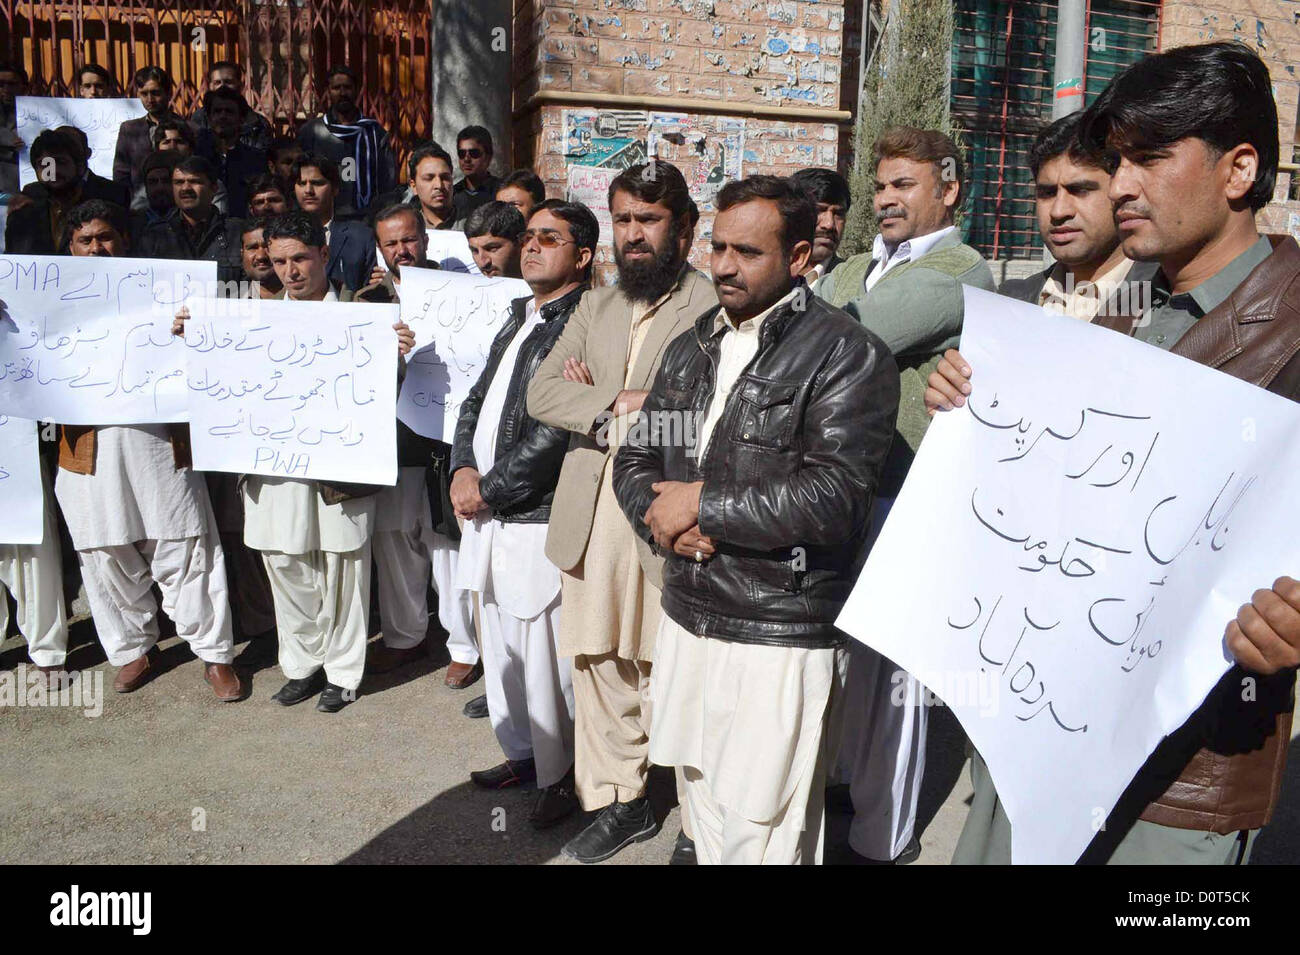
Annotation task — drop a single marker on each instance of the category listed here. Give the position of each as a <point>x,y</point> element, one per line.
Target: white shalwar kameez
<point>408,551</point>
<point>33,573</point>
<point>529,687</point>
<point>317,558</point>
<point>138,521</point>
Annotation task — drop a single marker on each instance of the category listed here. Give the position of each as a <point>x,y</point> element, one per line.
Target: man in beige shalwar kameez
<point>592,384</point>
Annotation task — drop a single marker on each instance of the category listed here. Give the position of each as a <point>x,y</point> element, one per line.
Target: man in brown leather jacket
<point>1196,133</point>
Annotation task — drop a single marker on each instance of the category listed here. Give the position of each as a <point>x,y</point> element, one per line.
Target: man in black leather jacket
<point>505,465</point>
<point>763,439</point>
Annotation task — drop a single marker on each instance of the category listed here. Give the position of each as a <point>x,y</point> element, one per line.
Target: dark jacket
<point>30,231</point>
<point>352,253</point>
<point>255,132</point>
<point>1222,770</point>
<point>316,139</point>
<point>133,148</point>
<point>466,201</point>
<point>1030,287</point>
<point>789,475</point>
<point>218,242</point>
<point>521,484</point>
<point>93,187</point>
<point>236,169</point>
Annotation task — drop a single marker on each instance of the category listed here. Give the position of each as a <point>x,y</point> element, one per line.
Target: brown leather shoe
<point>134,675</point>
<point>224,681</point>
<point>461,675</point>
<point>380,658</point>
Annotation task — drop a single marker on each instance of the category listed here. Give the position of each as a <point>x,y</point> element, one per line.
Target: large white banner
<point>22,516</point>
<point>294,389</point>
<point>454,317</point>
<point>87,339</point>
<point>99,119</point>
<point>1068,550</point>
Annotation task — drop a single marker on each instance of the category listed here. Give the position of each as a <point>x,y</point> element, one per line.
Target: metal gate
<point>1002,61</point>
<point>285,46</point>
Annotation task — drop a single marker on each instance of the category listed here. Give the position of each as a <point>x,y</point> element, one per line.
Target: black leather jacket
<point>521,484</point>
<point>789,474</point>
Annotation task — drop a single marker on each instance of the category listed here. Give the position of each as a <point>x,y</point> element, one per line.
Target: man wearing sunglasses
<point>505,465</point>
<point>478,185</point>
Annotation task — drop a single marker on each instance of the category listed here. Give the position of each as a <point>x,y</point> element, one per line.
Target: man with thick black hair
<point>830,191</point>
<point>1195,129</point>
<point>477,185</point>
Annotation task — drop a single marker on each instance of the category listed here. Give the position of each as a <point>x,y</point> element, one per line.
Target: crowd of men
<point>661,491</point>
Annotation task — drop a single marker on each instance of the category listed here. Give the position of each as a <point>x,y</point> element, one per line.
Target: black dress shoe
<point>554,804</point>
<point>477,708</point>
<point>619,825</point>
<point>683,851</point>
<point>334,698</point>
<point>295,691</point>
<point>513,772</point>
<point>838,799</point>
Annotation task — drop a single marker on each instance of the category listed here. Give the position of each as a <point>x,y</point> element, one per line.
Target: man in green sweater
<point>908,290</point>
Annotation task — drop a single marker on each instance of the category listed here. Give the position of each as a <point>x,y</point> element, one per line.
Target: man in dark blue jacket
<point>316,185</point>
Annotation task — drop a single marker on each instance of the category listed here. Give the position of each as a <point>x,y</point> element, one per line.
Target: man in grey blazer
<point>592,384</point>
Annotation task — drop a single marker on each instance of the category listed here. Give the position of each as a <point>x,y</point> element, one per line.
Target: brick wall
<point>1272,29</point>
<point>719,54</point>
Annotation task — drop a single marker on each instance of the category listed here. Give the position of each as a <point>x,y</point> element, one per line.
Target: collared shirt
<point>328,226</point>
<point>738,348</point>
<point>1172,315</point>
<point>1063,295</point>
<point>909,250</point>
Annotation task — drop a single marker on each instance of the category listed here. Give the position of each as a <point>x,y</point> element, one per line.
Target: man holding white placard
<point>314,537</point>
<point>408,549</point>
<point>139,516</point>
<point>1196,133</point>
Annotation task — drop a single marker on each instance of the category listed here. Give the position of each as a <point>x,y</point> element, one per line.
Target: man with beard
<point>36,227</point>
<point>595,377</point>
<point>831,193</point>
<point>254,130</point>
<point>415,529</point>
<point>1196,130</point>
<point>139,517</point>
<point>343,135</point>
<point>236,162</point>
<point>908,290</point>
<point>493,230</point>
<point>1091,274</point>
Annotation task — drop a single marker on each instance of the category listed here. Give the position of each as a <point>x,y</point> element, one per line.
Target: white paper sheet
<point>87,339</point>
<point>454,317</point>
<point>297,389</point>
<point>22,518</point>
<point>1067,551</point>
<point>99,119</point>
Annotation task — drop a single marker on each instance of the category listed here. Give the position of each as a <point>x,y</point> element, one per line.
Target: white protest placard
<point>293,389</point>
<point>99,119</point>
<point>454,317</point>
<point>1067,551</point>
<point>22,518</point>
<point>87,339</point>
<point>448,248</point>
<point>590,186</point>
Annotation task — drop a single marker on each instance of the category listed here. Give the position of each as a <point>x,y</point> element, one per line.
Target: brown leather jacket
<point>77,447</point>
<point>1222,770</point>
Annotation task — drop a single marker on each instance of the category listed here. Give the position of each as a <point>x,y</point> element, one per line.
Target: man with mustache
<point>1090,274</point>
<point>493,230</point>
<point>195,229</point>
<point>764,518</point>
<point>139,517</point>
<point>1196,131</point>
<point>342,135</point>
<point>316,187</point>
<point>267,197</point>
<point>596,376</point>
<point>430,179</point>
<point>477,185</point>
<point>505,466</point>
<point>831,193</point>
<point>908,290</point>
<point>416,532</point>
